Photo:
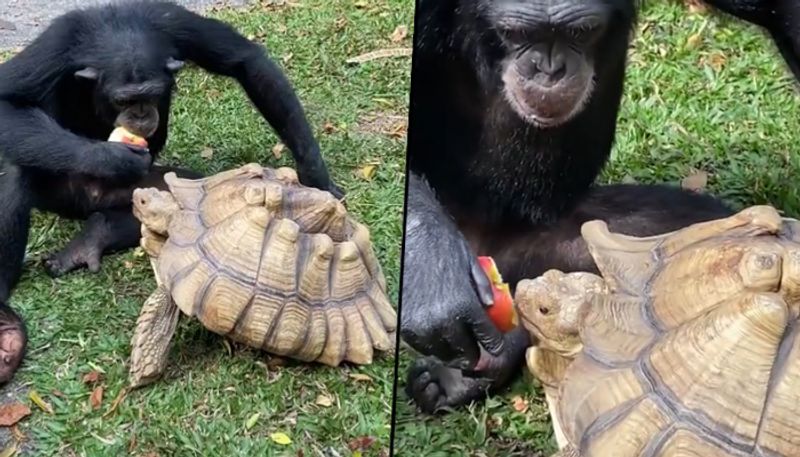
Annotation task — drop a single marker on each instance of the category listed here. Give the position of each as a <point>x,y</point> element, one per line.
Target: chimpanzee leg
<point>107,230</point>
<point>15,211</point>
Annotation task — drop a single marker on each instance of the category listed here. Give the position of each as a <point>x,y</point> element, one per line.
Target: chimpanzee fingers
<point>486,333</point>
<point>481,282</point>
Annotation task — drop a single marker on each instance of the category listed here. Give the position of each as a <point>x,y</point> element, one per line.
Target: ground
<point>706,99</point>
<point>218,400</point>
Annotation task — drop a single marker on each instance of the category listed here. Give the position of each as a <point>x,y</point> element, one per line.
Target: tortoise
<point>259,258</point>
<point>687,346</point>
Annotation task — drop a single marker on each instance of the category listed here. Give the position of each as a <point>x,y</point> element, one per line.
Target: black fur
<point>486,182</point>
<point>62,95</point>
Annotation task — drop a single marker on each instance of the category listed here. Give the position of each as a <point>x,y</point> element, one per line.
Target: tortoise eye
<point>544,310</point>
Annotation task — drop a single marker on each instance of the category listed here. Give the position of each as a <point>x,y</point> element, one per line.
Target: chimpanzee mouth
<point>543,106</point>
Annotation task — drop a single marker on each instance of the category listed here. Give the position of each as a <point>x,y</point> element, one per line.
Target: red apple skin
<point>122,135</point>
<point>502,312</point>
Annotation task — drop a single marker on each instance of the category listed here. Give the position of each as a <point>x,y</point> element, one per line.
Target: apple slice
<point>502,312</point>
<point>122,135</point>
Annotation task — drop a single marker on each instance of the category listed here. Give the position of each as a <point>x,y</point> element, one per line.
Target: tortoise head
<point>553,306</point>
<point>154,208</point>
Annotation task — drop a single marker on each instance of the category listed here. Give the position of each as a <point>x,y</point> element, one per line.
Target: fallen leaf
<point>91,377</point>
<point>360,377</point>
<point>128,264</point>
<point>9,451</point>
<point>207,153</point>
<point>251,421</point>
<point>360,443</point>
<point>35,398</point>
<point>324,400</point>
<point>139,252</point>
<point>361,4</point>
<point>277,150</point>
<point>97,397</point>
<point>12,413</point>
<point>114,404</point>
<point>696,182</point>
<point>520,404</point>
<point>693,41</point>
<point>400,33</point>
<point>281,438</point>
<point>380,54</point>
<point>287,57</point>
<point>58,393</point>
<point>367,171</point>
<point>328,128</point>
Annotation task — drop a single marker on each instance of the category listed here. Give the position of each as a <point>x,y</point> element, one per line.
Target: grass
<point>703,93</point>
<point>216,400</point>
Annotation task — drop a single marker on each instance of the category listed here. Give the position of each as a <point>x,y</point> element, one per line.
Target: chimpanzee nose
<point>549,62</point>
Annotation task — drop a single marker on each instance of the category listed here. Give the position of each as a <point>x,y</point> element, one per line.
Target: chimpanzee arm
<point>781,18</point>
<point>32,139</point>
<point>218,48</point>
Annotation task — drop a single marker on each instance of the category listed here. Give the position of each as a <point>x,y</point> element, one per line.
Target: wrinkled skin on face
<point>154,208</point>
<point>553,307</point>
<point>549,70</point>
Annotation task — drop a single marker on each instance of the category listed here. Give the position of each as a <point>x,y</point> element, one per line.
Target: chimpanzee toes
<point>63,262</point>
<point>435,387</point>
<point>423,387</point>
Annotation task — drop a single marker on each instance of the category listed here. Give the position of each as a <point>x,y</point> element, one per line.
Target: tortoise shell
<point>257,257</point>
<point>689,347</point>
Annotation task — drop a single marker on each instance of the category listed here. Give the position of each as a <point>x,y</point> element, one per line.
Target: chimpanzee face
<point>131,99</point>
<point>552,49</point>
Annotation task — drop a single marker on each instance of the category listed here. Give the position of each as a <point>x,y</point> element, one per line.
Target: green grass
<point>209,395</point>
<point>682,112</point>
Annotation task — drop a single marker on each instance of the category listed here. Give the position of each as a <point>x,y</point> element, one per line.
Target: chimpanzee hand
<point>115,160</point>
<point>445,291</point>
<point>316,175</point>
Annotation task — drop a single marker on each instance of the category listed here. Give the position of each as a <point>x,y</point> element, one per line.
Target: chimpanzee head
<point>130,83</point>
<point>553,51</point>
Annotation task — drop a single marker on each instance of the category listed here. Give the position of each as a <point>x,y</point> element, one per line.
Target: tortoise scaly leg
<point>151,339</point>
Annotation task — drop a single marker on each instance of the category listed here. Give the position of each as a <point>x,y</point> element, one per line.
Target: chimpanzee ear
<point>174,65</point>
<point>88,73</point>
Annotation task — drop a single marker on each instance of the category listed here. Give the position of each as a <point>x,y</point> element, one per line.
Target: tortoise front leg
<point>151,339</point>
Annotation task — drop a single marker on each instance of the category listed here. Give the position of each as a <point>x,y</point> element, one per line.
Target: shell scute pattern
<point>689,345</point>
<point>258,257</point>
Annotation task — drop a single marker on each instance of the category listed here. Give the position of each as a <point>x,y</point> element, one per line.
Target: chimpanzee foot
<point>71,258</point>
<point>435,387</point>
<point>83,251</point>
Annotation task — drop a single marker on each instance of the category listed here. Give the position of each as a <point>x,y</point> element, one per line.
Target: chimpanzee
<point>93,70</point>
<point>513,114</point>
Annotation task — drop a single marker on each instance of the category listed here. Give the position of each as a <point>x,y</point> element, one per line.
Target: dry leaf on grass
<point>207,153</point>
<point>324,400</point>
<point>328,128</point>
<point>38,401</point>
<point>281,438</point>
<point>277,150</point>
<point>696,181</point>
<point>12,413</point>
<point>251,421</point>
<point>360,377</point>
<point>400,33</point>
<point>96,398</point>
<point>380,54</point>
<point>9,451</point>
<point>361,443</point>
<point>520,404</point>
<point>367,171</point>
<point>114,404</point>
<point>91,377</point>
